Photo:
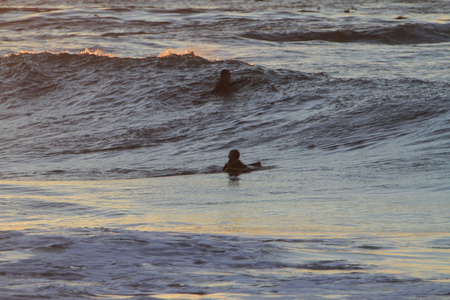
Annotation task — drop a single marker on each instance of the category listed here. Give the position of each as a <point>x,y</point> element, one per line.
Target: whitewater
<point>112,147</point>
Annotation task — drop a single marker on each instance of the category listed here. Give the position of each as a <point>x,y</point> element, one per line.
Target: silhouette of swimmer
<point>235,166</point>
<point>225,85</point>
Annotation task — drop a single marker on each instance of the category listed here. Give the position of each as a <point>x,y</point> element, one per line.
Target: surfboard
<point>237,171</point>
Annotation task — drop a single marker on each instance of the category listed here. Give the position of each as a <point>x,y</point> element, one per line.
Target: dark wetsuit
<point>224,86</point>
<point>235,167</point>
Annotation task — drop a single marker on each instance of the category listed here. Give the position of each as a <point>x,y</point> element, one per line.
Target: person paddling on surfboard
<point>235,166</point>
<point>225,85</point>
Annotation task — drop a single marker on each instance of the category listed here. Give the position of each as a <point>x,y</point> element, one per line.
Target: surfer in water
<point>225,85</point>
<point>234,166</point>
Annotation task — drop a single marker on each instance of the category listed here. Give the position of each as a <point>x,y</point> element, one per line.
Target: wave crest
<point>400,34</point>
<point>67,111</point>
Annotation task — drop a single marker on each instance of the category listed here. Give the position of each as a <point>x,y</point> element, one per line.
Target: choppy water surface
<point>111,150</point>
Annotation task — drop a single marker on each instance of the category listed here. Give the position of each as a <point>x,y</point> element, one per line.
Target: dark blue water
<point>112,146</point>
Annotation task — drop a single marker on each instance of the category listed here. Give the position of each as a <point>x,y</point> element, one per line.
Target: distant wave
<point>5,10</point>
<point>400,34</point>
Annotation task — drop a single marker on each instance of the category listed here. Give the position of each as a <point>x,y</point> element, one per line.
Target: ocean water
<point>112,148</point>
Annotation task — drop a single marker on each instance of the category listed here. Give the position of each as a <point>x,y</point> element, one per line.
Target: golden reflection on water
<point>50,204</point>
<point>203,204</point>
<point>164,204</point>
<point>200,204</point>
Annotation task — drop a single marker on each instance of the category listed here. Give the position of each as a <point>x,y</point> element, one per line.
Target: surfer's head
<point>225,74</point>
<point>234,155</point>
